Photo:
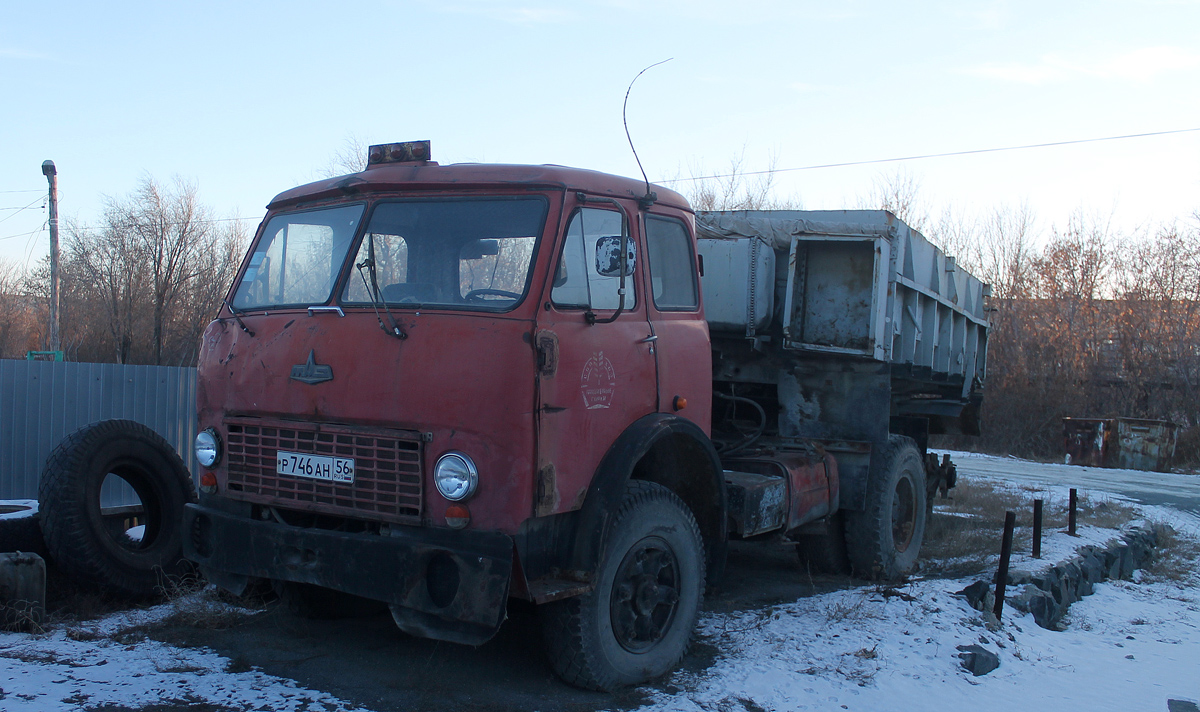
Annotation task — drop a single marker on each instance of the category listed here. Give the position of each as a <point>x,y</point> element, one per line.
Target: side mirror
<point>608,256</point>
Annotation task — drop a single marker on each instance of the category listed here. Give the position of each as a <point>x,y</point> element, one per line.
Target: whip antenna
<point>648,199</point>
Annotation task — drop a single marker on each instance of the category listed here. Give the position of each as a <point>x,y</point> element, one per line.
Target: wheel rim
<point>904,514</point>
<point>645,595</point>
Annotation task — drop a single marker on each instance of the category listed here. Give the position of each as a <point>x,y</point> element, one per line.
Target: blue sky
<point>250,99</point>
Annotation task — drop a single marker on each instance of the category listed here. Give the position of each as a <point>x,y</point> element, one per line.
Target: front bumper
<point>441,584</point>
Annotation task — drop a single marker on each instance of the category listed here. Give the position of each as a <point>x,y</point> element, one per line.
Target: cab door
<point>673,304</point>
<point>596,360</point>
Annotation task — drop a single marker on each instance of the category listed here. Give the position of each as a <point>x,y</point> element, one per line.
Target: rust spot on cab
<point>547,491</point>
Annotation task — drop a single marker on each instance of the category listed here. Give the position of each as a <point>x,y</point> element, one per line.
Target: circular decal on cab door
<point>597,382</point>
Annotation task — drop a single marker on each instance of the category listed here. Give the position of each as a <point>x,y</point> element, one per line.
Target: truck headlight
<point>208,447</point>
<point>455,476</point>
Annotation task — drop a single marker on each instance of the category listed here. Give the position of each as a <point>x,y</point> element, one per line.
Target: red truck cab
<point>439,386</point>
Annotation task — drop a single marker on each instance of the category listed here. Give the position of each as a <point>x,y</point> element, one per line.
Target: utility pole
<point>51,174</point>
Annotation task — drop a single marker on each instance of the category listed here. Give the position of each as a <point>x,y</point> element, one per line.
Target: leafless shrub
<point>25,616</point>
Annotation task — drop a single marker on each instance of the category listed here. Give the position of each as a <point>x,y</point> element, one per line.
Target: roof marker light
<point>406,152</point>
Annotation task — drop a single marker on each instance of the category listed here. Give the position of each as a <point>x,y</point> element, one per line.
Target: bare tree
<point>20,328</point>
<point>899,193</point>
<point>350,158</point>
<point>102,273</point>
<point>734,190</point>
<point>1005,250</point>
<point>152,274</point>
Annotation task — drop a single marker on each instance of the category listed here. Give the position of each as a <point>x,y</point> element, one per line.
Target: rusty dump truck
<point>439,387</point>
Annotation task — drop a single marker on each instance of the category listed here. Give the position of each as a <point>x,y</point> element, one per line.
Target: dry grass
<point>1176,558</point>
<point>850,609</point>
<point>197,604</point>
<point>963,536</point>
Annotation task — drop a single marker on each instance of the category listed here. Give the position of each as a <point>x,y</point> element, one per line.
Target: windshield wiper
<point>373,290</point>
<point>237,318</point>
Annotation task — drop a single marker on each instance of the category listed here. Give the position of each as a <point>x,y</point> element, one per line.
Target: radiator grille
<point>387,482</point>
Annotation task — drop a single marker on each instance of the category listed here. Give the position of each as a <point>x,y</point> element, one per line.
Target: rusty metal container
<point>1127,443</point>
<point>22,591</point>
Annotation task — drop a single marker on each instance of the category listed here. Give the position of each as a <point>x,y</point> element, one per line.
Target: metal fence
<point>41,402</point>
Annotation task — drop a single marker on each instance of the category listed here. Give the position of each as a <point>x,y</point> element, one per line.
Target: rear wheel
<point>637,622</point>
<point>884,540</point>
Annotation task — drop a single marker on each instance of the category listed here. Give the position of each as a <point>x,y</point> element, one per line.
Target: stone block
<point>977,660</point>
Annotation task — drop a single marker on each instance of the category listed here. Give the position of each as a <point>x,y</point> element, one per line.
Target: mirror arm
<point>590,316</point>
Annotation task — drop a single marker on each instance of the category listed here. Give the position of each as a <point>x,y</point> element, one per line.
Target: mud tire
<point>86,547</point>
<point>884,540</point>
<point>586,648</point>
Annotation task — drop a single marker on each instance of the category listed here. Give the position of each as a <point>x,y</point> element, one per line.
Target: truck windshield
<point>298,258</point>
<point>450,253</point>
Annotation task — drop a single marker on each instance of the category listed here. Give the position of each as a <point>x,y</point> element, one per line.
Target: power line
<point>22,191</point>
<point>24,208</point>
<point>23,234</point>
<point>173,224</point>
<point>930,155</point>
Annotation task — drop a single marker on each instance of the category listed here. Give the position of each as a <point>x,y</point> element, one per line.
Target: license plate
<point>317,467</point>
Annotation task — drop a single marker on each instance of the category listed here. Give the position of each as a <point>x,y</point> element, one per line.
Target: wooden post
<point>1010,523</point>
<point>1072,513</point>
<point>1037,528</point>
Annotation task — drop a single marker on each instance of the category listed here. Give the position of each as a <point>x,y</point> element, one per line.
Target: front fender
<point>674,452</point>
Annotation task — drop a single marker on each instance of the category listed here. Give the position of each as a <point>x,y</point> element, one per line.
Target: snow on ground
<point>1130,646</point>
<point>1127,647</point>
<point>109,662</point>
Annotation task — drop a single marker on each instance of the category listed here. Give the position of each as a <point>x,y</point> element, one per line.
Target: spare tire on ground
<point>19,529</point>
<point>85,544</point>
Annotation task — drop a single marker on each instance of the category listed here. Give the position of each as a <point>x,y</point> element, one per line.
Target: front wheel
<point>637,622</point>
<point>884,540</point>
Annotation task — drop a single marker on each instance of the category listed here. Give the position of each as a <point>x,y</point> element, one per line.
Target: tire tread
<point>563,621</point>
<point>64,521</point>
<point>862,528</point>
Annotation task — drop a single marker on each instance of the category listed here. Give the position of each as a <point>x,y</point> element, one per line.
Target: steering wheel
<point>478,294</point>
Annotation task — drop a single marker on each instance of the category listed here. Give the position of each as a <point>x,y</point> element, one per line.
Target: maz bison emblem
<point>311,372</point>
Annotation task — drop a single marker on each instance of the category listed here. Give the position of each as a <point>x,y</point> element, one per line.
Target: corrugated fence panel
<point>42,402</point>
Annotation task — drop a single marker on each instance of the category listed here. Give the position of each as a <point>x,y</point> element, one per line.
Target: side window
<point>586,277</point>
<point>672,265</point>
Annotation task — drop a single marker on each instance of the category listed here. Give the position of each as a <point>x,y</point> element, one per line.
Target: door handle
<point>649,339</point>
